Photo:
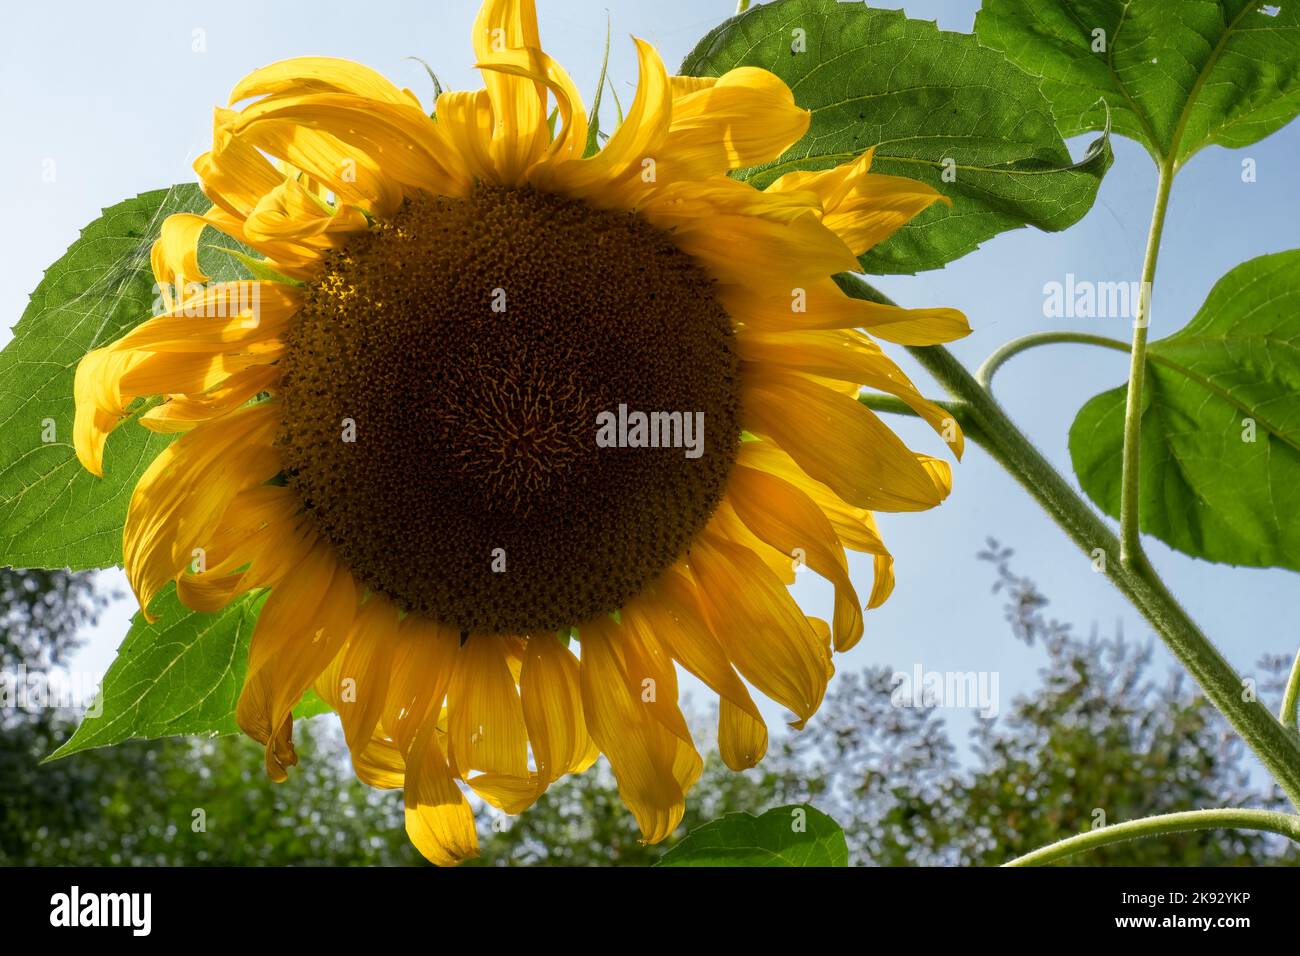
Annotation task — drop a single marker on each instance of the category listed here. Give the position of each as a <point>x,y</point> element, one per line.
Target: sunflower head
<point>494,389</point>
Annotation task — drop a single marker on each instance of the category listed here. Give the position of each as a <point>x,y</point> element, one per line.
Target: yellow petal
<point>290,213</point>
<point>840,442</point>
<point>685,85</point>
<point>651,674</point>
<point>848,356</point>
<point>485,721</point>
<point>675,616</point>
<point>439,820</point>
<point>243,550</point>
<point>401,140</point>
<point>320,74</point>
<point>863,208</point>
<point>654,767</point>
<point>760,626</point>
<point>855,527</point>
<point>354,177</point>
<point>507,792</point>
<point>743,249</point>
<point>633,144</point>
<point>424,657</point>
<point>184,412</point>
<point>531,63</point>
<point>746,117</point>
<point>300,629</point>
<point>782,515</point>
<point>364,672</point>
<point>380,764</point>
<point>235,175</point>
<point>519,133</point>
<point>466,115</point>
<point>551,696</point>
<point>186,490</point>
<point>821,304</point>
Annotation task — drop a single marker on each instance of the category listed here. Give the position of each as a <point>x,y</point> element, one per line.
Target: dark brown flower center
<point>510,412</point>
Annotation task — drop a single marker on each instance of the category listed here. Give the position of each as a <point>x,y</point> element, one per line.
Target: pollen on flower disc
<point>442,387</point>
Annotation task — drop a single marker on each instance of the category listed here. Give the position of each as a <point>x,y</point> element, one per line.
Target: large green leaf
<point>785,836</point>
<point>1175,75</point>
<point>1207,489</point>
<point>936,106</point>
<point>180,675</point>
<point>53,513</point>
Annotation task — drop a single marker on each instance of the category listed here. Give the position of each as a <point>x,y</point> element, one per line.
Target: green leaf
<point>53,513</point>
<point>936,106</point>
<point>179,675</point>
<point>1211,487</point>
<point>1175,76</point>
<point>593,121</point>
<point>785,836</point>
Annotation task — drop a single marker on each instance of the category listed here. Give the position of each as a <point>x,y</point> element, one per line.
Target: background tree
<point>1101,732</point>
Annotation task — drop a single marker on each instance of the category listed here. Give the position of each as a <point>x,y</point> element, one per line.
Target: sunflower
<point>394,432</point>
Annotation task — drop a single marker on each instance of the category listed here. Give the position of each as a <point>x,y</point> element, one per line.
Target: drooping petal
<point>187,489</point>
<point>242,552</point>
<point>781,514</point>
<point>184,412</point>
<point>401,140</point>
<point>485,721</point>
<point>848,356</point>
<point>551,695</point>
<point>439,820</point>
<point>424,656</point>
<point>365,671</point>
<point>760,627</point>
<point>531,63</point>
<point>678,621</point>
<point>300,629</point>
<point>841,443</point>
<point>653,766</point>
<point>320,74</point>
<point>863,208</point>
<point>821,304</point>
<point>744,118</point>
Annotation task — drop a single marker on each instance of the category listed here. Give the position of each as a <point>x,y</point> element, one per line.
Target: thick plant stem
<point>742,6</point>
<point>1291,698</point>
<point>1130,540</point>
<point>999,358</point>
<point>1286,824</point>
<point>1276,747</point>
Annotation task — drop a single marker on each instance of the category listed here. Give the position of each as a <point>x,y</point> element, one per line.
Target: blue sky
<point>117,96</point>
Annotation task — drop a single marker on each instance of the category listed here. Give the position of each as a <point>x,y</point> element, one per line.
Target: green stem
<point>1130,548</point>
<point>1277,747</point>
<point>1291,698</point>
<point>995,361</point>
<point>1284,823</point>
<point>742,6</point>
